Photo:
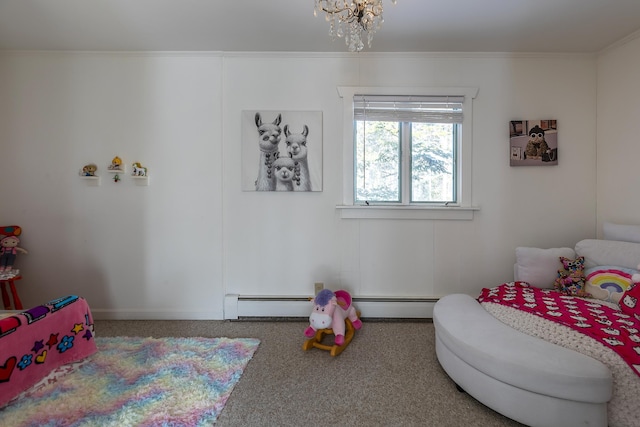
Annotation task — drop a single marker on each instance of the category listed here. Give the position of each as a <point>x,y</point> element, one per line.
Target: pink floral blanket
<point>40,340</point>
<point>612,328</point>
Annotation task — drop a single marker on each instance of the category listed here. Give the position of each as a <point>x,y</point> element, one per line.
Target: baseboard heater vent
<point>240,306</point>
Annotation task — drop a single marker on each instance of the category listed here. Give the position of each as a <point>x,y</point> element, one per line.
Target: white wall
<point>174,248</point>
<point>124,247</point>
<point>618,136</point>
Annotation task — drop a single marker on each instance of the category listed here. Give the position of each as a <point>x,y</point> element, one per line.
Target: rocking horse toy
<point>332,313</point>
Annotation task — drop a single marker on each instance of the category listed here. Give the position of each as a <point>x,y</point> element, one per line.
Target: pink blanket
<point>610,327</point>
<point>40,340</point>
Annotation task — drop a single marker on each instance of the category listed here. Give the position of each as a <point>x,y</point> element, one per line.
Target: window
<point>407,150</point>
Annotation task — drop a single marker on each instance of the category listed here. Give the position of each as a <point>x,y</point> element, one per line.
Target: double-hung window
<point>406,148</point>
<point>407,151</point>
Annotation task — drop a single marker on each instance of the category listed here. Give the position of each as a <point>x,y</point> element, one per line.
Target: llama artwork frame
<point>281,150</point>
<point>533,142</point>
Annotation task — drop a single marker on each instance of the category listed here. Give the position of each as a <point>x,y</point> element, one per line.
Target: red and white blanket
<point>612,328</point>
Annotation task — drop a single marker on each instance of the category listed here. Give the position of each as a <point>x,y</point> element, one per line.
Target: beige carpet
<point>388,376</point>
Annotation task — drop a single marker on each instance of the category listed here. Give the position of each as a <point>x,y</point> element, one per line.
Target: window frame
<point>462,210</point>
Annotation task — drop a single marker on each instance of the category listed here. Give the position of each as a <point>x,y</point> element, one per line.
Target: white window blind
<point>424,109</point>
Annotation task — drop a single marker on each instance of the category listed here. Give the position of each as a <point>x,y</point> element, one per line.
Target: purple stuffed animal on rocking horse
<point>330,311</point>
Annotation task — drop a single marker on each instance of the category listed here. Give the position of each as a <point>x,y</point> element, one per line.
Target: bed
<point>513,350</point>
<point>39,344</point>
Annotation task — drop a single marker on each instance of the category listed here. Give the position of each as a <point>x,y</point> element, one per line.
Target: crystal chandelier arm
<point>351,18</point>
<point>332,9</point>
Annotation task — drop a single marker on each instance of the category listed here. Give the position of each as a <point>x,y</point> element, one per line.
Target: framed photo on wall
<point>281,150</point>
<point>533,142</point>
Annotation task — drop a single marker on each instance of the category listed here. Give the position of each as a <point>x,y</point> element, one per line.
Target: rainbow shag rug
<point>134,381</point>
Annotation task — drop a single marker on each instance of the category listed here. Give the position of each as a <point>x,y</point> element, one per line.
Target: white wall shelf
<point>141,180</point>
<point>91,181</point>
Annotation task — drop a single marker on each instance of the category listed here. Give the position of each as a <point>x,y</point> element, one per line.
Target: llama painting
<point>281,151</point>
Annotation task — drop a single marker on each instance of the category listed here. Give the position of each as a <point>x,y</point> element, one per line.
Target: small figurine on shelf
<point>89,170</point>
<point>139,170</point>
<point>8,251</point>
<point>116,164</point>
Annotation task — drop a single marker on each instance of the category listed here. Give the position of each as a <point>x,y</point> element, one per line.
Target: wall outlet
<point>318,286</point>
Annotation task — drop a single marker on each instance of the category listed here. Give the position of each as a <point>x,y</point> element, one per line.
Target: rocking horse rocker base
<point>335,349</point>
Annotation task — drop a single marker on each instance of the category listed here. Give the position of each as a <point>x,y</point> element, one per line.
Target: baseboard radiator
<point>246,307</point>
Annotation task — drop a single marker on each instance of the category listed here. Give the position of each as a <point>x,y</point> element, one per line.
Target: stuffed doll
<point>571,280</point>
<point>8,251</point>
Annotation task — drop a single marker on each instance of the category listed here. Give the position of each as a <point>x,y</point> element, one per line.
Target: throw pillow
<point>607,282</point>
<point>608,252</point>
<point>539,267</point>
<point>571,280</point>
<point>629,303</point>
<point>621,232</point>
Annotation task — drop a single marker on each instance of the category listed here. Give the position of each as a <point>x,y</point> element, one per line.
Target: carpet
<point>135,381</point>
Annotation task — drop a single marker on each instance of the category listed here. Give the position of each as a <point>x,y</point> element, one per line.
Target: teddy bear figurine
<point>571,280</point>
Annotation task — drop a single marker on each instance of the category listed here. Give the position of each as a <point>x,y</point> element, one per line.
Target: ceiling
<point>572,26</point>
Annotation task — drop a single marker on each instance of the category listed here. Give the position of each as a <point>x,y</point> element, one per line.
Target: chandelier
<point>350,18</point>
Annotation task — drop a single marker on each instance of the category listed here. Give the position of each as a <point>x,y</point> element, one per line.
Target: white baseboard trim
<point>110,314</point>
<point>239,306</point>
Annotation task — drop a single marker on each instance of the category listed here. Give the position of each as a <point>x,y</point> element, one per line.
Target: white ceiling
<point>289,25</point>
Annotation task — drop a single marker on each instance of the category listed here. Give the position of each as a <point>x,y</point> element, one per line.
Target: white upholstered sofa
<point>528,378</point>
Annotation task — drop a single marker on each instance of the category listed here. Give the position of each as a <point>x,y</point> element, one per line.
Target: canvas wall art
<point>533,142</point>
<point>281,150</point>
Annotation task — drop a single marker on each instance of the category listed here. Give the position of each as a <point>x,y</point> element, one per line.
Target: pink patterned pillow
<point>630,301</point>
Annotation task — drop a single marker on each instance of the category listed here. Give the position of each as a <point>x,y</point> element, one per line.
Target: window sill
<point>454,213</point>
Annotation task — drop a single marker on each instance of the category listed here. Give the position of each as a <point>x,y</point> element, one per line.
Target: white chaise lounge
<point>522,377</point>
<point>532,380</point>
